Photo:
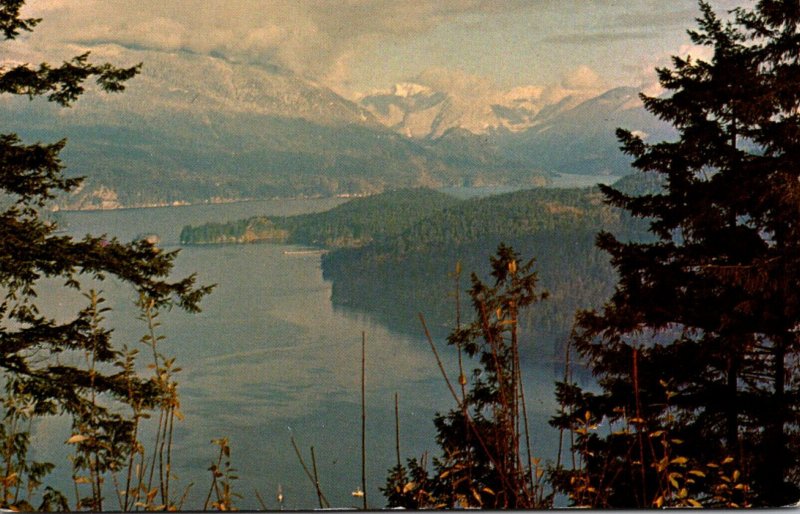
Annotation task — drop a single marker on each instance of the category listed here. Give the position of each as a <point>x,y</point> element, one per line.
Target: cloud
<point>582,77</point>
<point>532,92</point>
<point>645,73</point>
<point>316,38</point>
<point>40,7</point>
<point>581,82</point>
<point>696,52</point>
<point>334,41</point>
<point>597,38</point>
<point>655,18</point>
<point>456,81</point>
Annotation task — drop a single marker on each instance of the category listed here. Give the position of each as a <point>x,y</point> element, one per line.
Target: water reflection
<point>269,358</point>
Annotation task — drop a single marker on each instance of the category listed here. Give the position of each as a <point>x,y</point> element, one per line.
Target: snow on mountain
<point>191,83</point>
<point>406,89</point>
<point>408,108</point>
<point>194,128</point>
<point>418,111</point>
<point>581,138</point>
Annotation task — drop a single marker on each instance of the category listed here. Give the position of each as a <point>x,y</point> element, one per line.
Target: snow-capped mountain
<point>198,128</point>
<point>191,83</point>
<point>582,139</point>
<point>419,111</point>
<point>193,128</point>
<point>410,109</point>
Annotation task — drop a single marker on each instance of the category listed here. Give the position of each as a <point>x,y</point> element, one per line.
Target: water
<point>269,359</point>
<point>557,181</point>
<point>567,180</point>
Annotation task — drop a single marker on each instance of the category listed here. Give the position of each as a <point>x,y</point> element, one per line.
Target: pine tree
<point>34,346</point>
<point>699,339</point>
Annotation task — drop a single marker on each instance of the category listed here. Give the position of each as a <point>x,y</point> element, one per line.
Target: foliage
<point>711,306</point>
<point>405,241</point>
<point>67,366</point>
<point>20,477</point>
<point>556,225</point>
<point>486,459</point>
<point>644,455</point>
<point>507,216</point>
<point>222,476</point>
<point>354,223</point>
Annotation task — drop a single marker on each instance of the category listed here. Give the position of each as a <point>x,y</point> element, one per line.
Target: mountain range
<point>196,128</point>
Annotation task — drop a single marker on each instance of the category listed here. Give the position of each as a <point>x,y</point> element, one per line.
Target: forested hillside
<point>355,223</point>
<point>394,253</point>
<point>393,279</point>
<point>508,215</point>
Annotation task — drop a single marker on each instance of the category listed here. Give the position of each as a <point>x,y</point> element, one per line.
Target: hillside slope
<point>415,268</point>
<point>356,223</point>
<point>195,128</point>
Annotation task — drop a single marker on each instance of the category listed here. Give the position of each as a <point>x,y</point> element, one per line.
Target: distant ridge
<point>195,128</point>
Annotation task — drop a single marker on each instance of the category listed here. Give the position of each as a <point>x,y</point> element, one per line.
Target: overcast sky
<point>355,46</point>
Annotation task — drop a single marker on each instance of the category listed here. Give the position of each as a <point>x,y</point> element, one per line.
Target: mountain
<point>410,109</point>
<point>419,111</point>
<point>198,128</point>
<point>563,138</point>
<point>582,139</point>
<point>573,135</point>
<point>195,128</point>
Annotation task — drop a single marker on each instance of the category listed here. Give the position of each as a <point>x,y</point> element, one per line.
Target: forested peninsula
<point>354,223</point>
<point>404,219</point>
<point>405,244</point>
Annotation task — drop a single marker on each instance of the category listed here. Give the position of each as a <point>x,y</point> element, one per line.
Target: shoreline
<point>194,204</point>
<point>487,190</point>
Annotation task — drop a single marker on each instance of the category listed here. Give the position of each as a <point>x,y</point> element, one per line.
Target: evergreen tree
<point>700,337</point>
<point>35,349</point>
<point>486,461</point>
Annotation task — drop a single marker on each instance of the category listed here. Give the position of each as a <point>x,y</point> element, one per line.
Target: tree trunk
<point>773,487</point>
<point>731,407</point>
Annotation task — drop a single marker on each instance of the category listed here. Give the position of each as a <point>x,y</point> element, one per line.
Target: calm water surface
<point>269,358</point>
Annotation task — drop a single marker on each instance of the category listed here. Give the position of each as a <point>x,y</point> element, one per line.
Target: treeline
<point>510,215</point>
<point>249,230</point>
<point>394,278</point>
<point>394,253</point>
<point>355,223</point>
